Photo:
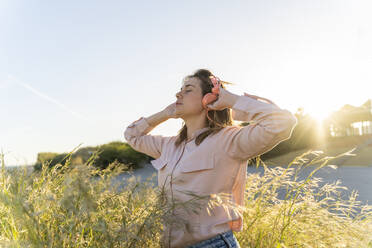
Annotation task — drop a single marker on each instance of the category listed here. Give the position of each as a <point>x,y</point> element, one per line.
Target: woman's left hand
<point>225,99</point>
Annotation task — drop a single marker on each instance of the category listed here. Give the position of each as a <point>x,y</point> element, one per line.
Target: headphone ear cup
<point>208,98</point>
<point>205,100</point>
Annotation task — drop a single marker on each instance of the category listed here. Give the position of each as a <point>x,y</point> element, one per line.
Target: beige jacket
<point>217,165</point>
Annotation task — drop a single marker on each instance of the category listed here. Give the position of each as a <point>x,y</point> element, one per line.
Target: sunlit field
<point>79,206</point>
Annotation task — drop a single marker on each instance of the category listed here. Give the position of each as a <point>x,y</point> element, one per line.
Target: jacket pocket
<point>206,163</point>
<point>159,163</point>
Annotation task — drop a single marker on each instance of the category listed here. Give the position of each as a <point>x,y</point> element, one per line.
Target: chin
<point>179,113</point>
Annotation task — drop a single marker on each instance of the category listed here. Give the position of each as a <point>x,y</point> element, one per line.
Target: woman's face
<point>189,98</point>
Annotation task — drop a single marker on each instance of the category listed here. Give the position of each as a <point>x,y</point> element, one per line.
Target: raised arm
<point>271,125</point>
<point>136,134</point>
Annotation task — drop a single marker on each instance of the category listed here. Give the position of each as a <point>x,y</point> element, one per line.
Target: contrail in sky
<point>42,95</point>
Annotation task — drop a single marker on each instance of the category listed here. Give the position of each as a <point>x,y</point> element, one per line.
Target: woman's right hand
<point>170,111</point>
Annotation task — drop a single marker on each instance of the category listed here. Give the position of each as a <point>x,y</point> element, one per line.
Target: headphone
<point>211,97</point>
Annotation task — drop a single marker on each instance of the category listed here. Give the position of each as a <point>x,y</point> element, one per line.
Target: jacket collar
<point>197,132</point>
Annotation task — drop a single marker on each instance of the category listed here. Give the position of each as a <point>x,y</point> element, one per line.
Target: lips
<point>178,103</point>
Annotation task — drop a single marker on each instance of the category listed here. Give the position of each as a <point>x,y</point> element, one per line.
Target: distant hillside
<point>333,147</point>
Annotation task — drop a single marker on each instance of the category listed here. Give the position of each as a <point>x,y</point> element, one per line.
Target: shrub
<point>120,152</point>
<point>105,154</point>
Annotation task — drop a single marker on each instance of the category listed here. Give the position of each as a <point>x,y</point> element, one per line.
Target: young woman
<point>209,156</point>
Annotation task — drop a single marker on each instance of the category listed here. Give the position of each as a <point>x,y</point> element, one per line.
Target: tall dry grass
<point>80,206</point>
<point>309,215</point>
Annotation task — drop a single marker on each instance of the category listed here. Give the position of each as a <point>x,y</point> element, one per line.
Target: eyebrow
<point>188,85</point>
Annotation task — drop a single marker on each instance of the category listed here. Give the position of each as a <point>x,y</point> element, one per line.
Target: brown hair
<point>222,117</point>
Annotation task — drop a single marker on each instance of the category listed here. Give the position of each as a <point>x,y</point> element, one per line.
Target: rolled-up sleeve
<point>268,126</point>
<point>137,137</point>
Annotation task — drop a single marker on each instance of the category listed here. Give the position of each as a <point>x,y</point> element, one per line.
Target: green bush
<point>52,159</point>
<point>120,152</point>
<point>106,154</point>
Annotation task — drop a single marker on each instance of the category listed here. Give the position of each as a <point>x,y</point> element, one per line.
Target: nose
<point>178,94</point>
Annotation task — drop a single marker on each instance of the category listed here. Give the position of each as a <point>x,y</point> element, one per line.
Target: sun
<point>319,114</point>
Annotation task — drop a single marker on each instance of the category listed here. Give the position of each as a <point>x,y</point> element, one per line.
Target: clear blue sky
<point>76,72</point>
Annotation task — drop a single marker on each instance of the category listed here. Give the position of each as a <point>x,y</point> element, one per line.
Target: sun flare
<point>319,113</point>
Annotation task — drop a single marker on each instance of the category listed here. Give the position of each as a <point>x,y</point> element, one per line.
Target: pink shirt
<point>217,165</point>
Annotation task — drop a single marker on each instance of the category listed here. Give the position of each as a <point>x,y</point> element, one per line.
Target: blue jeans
<point>222,240</point>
